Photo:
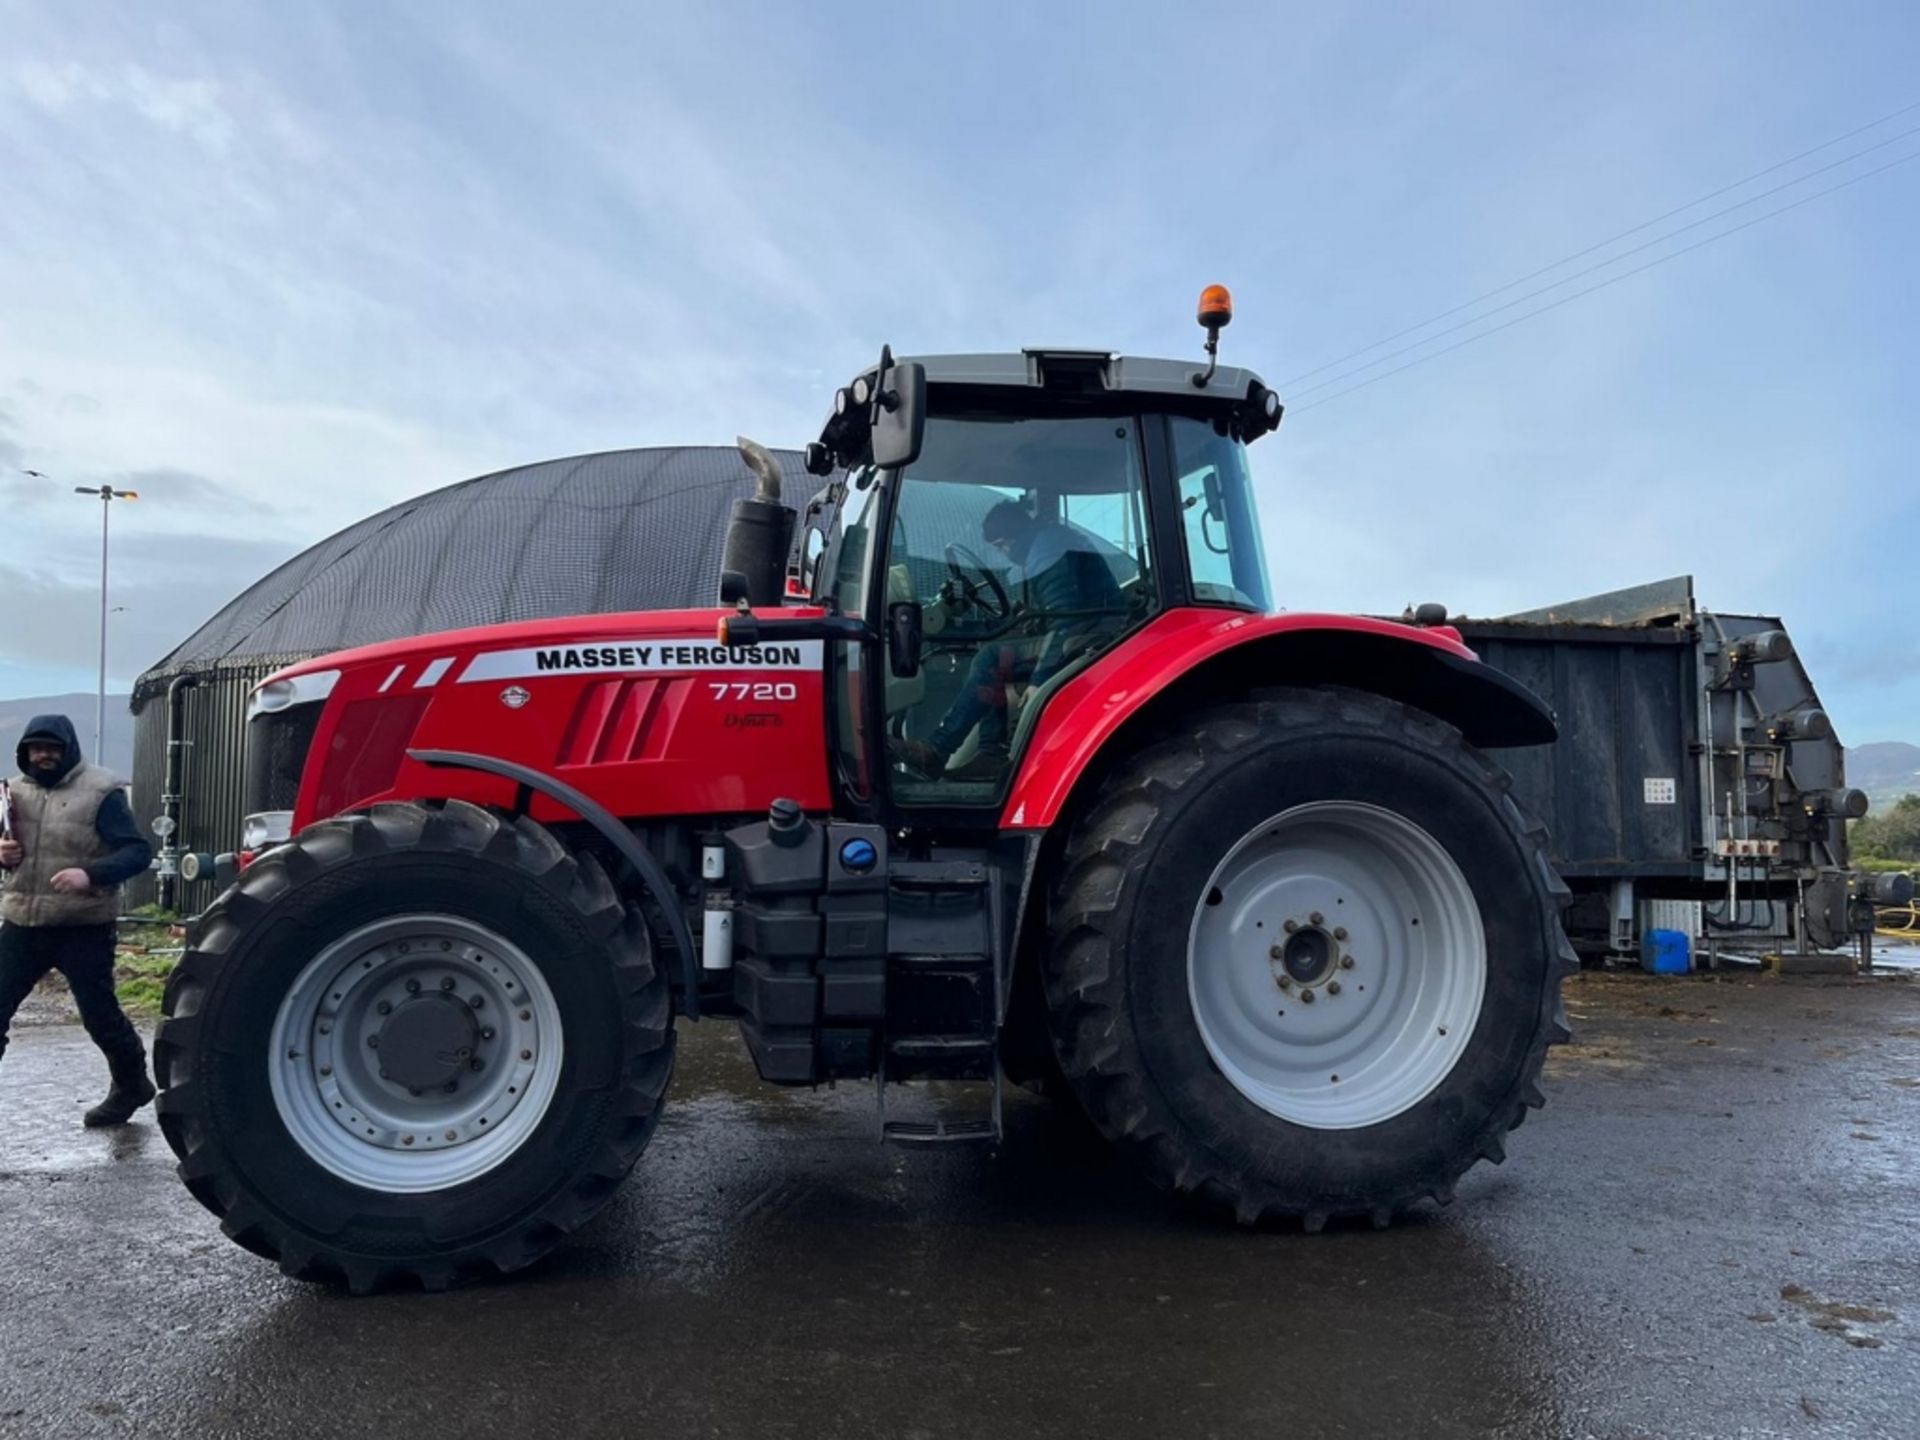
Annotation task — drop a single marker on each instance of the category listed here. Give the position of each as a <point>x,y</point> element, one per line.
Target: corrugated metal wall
<point>213,716</point>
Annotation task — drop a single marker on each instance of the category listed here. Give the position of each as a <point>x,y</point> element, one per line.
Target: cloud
<point>192,107</point>
<point>312,265</point>
<point>161,590</point>
<point>184,487</point>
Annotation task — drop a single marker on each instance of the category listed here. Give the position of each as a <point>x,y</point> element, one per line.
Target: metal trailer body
<point>1695,764</point>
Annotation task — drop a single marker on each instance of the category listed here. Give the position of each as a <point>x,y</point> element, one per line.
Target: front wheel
<point>415,1044</point>
<point>1305,957</point>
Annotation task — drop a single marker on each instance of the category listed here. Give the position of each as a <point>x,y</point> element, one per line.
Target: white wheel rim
<point>465,1012</point>
<point>1362,1008</point>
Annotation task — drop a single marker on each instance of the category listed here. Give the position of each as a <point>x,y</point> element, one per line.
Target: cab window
<point>1225,561</point>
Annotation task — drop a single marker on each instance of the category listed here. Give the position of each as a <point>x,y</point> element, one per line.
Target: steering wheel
<point>980,587</point>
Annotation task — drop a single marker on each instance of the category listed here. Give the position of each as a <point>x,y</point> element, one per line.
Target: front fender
<point>1191,657</point>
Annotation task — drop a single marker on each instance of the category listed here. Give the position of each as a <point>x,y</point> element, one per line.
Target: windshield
<point>1217,518</point>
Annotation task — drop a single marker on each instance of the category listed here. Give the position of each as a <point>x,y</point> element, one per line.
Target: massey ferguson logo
<point>513,697</point>
<point>667,657</point>
<point>653,656</point>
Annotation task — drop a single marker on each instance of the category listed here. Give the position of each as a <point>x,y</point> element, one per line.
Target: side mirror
<point>903,638</point>
<point>1216,497</point>
<point>900,415</point>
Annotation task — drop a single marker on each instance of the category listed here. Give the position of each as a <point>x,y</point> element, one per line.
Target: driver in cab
<point>1066,589</point>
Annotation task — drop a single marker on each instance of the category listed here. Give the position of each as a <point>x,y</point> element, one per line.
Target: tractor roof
<point>1039,368</point>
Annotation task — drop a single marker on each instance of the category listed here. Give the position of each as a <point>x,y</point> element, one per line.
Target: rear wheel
<point>412,1045</point>
<point>1305,958</point>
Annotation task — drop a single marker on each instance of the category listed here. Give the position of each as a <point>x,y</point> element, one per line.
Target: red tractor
<point>1013,771</point>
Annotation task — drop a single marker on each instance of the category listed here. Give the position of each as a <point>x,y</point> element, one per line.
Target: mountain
<point>1886,770</point>
<point>14,715</point>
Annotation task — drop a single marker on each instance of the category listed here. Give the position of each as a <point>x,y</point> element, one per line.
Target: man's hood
<point>49,727</point>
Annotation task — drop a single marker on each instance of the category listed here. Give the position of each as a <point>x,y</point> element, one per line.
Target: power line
<point>1610,280</point>
<point>1602,244</point>
<point>1599,265</point>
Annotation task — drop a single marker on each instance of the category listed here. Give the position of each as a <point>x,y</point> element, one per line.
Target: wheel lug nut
<point>446,982</point>
<point>478,1001</point>
<point>1346,962</point>
<point>1339,932</point>
<point>326,1070</point>
<point>1333,987</point>
<point>385,1007</point>
<point>1306,997</point>
<point>479,1064</point>
<point>1286,982</point>
<point>373,1042</point>
<point>413,987</point>
<point>1315,918</point>
<point>326,1029</point>
<point>1273,952</point>
<point>1291,926</point>
<point>487,1033</point>
<point>526,1015</point>
<point>406,1139</point>
<point>453,1134</point>
<point>526,1054</point>
<point>451,1086</point>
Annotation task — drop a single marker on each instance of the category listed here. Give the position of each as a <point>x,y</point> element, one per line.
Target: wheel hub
<point>1336,964</point>
<point>1309,956</point>
<point>416,1053</point>
<point>428,1042</point>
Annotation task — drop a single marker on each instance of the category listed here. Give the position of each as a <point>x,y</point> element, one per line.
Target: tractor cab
<point>991,526</point>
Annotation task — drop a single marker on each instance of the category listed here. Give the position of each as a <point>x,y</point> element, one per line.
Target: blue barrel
<point>1666,952</point>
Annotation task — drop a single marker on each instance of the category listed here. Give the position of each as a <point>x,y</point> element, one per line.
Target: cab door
<point>1023,543</point>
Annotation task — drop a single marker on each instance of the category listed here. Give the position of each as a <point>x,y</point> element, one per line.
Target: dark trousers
<point>82,953</point>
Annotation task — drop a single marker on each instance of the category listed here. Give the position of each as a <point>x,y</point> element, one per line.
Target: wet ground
<point>1712,1230</point>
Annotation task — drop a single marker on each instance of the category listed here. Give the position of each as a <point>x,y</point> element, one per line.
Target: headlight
<point>269,827</point>
<point>289,690</point>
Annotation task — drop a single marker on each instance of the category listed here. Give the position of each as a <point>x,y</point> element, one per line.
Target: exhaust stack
<point>753,567</point>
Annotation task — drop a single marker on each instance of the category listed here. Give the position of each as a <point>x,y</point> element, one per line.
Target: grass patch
<point>1883,867</point>
<point>141,965</point>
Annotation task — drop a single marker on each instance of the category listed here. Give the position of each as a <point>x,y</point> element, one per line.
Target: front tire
<point>414,1045</point>
<point>1305,958</point>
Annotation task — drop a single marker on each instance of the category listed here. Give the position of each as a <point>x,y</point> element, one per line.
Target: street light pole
<point>107,496</point>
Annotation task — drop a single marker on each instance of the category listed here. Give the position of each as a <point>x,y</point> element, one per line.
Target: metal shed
<point>620,530</point>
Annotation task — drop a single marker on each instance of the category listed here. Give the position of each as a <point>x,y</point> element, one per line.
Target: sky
<point>278,266</point>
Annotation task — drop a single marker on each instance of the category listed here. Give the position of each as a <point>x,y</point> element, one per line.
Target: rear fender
<point>1189,658</point>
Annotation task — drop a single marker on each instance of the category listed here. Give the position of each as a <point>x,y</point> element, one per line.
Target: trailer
<point>1698,781</point>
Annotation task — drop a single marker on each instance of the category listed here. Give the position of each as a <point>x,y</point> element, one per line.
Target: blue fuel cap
<point>859,856</point>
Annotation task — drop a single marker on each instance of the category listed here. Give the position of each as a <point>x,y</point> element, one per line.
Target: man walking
<point>70,845</point>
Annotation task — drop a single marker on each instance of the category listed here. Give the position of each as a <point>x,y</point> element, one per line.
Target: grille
<point>277,745</point>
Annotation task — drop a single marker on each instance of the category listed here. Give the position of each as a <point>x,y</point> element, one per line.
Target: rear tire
<point>1174,987</point>
<point>490,959</point>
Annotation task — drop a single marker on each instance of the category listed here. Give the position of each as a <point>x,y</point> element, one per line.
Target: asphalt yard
<point>1709,1231</point>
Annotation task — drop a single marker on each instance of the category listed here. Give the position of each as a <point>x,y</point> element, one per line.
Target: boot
<point>131,1088</point>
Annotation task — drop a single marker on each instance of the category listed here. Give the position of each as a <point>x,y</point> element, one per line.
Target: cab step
<point>957,1127</point>
<point>940,1132</point>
